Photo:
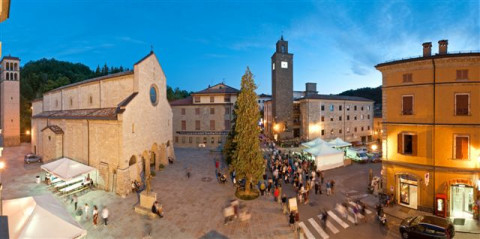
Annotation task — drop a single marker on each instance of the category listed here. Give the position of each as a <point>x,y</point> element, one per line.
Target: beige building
<point>328,117</point>
<point>431,131</point>
<point>10,101</point>
<point>204,118</point>
<point>115,123</point>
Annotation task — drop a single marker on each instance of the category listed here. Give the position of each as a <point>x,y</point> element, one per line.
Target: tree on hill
<point>374,94</point>
<point>247,157</point>
<point>176,94</point>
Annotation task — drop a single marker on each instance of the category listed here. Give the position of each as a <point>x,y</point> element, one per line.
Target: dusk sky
<point>335,43</point>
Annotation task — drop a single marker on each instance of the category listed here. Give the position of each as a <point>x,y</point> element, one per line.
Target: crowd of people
<point>87,211</point>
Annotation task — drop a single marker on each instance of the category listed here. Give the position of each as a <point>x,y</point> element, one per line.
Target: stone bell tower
<point>10,100</point>
<point>282,92</point>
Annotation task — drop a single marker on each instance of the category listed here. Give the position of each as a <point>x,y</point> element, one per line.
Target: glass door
<point>462,201</point>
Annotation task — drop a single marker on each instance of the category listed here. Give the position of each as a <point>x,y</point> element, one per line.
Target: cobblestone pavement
<point>193,207</point>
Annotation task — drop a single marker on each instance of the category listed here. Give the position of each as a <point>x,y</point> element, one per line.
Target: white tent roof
<point>40,217</point>
<point>66,168</point>
<point>314,142</point>
<point>322,149</point>
<point>338,142</point>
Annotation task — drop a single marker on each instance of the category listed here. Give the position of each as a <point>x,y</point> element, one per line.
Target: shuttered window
<point>184,125</point>
<point>212,124</point>
<point>212,111</point>
<point>227,124</point>
<point>407,105</point>
<point>212,99</point>
<point>407,77</point>
<point>462,74</point>
<point>461,104</point>
<point>183,111</point>
<point>407,144</point>
<point>197,124</point>
<point>461,147</point>
<point>197,99</point>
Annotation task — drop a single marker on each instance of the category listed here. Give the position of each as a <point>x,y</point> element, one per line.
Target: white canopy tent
<point>40,217</point>
<point>339,143</point>
<point>326,157</point>
<point>66,168</point>
<point>314,143</point>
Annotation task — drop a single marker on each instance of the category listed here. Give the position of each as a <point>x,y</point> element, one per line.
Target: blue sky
<point>335,43</point>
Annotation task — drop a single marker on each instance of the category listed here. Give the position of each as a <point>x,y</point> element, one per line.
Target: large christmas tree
<point>247,158</point>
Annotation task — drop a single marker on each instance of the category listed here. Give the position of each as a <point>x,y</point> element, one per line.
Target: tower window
<point>283,49</point>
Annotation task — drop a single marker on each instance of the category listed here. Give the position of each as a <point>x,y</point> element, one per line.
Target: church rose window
<point>154,95</point>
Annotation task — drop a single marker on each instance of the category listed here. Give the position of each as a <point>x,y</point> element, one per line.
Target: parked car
<point>427,227</point>
<point>375,157</point>
<point>32,158</point>
<point>356,155</point>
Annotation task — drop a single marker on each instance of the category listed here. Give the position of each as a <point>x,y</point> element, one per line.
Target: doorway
<point>461,201</point>
<point>408,193</point>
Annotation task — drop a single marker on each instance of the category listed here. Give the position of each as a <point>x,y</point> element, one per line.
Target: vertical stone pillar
<point>163,155</point>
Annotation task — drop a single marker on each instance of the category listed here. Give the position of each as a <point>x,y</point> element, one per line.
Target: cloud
<point>214,55</point>
<point>79,49</point>
<point>131,40</point>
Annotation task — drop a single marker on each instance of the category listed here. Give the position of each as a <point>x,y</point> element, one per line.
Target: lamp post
<point>2,166</point>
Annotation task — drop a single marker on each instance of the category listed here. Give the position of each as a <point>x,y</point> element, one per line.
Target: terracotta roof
<point>98,114</point>
<point>436,56</point>
<point>54,128</point>
<point>91,80</point>
<point>335,97</point>
<point>219,88</point>
<point>184,101</point>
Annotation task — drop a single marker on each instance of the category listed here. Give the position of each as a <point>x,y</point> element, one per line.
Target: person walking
<point>75,201</point>
<point>355,215</point>
<point>284,203</point>
<point>105,215</point>
<point>321,177</point>
<point>316,186</point>
<point>292,220</point>
<point>329,189</point>
<point>86,208</point>
<point>95,215</point>
<point>276,193</point>
<point>332,186</point>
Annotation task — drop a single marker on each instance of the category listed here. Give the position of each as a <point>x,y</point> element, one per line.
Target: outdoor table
<point>56,180</point>
<point>71,187</point>
<point>72,181</point>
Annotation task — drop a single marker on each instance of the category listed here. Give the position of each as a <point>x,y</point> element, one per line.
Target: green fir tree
<point>247,158</point>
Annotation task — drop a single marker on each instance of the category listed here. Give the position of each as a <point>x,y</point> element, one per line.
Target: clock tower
<point>282,92</point>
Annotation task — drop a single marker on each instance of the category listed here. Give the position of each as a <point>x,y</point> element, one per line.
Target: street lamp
<point>374,147</point>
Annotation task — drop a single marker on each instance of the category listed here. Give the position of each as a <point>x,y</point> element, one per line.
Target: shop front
<point>407,191</point>
<point>461,200</point>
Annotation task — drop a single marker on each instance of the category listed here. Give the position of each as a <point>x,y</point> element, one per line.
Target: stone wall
<point>10,112</point>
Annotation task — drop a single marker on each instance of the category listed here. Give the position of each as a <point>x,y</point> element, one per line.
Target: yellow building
<point>431,131</point>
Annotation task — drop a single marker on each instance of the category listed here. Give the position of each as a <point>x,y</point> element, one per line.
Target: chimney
<point>427,49</point>
<point>442,47</point>
<point>310,89</point>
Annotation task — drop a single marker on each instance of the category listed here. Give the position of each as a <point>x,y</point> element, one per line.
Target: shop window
<point>462,74</point>
<point>212,111</point>
<point>407,144</point>
<point>183,111</point>
<point>197,124</point>
<point>212,99</point>
<point>461,146</point>
<point>407,78</point>
<point>462,104</point>
<point>197,99</point>
<point>184,125</point>
<point>212,124</point>
<point>407,105</point>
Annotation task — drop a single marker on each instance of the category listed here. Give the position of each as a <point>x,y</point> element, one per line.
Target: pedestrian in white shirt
<point>86,208</point>
<point>105,215</point>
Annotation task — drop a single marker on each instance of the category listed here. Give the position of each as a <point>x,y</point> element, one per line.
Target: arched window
<point>133,160</point>
<point>15,76</point>
<point>8,76</point>
<point>15,67</point>
<point>8,66</point>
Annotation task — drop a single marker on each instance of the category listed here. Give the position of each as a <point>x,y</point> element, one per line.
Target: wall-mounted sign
<point>427,178</point>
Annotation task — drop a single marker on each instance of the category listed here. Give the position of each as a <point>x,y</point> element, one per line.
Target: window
<point>90,99</point>
<point>368,107</point>
<point>323,132</point>
<point>340,118</point>
<point>212,99</point>
<point>212,124</point>
<point>323,107</point>
<point>355,107</point>
<point>407,77</point>
<point>407,105</point>
<point>227,110</point>
<point>197,124</point>
<point>331,118</point>
<point>407,144</point>
<point>462,103</point>
<point>339,131</point>
<point>226,98</point>
<point>355,117</point>
<point>184,125</point>
<point>197,111</point>
<point>361,129</point>
<point>258,101</point>
<point>368,127</point>
<point>323,118</point>
<point>183,111</point>
<point>190,140</point>
<point>227,124</point>
<point>340,107</point>
<point>212,141</point>
<point>348,117</point>
<point>355,129</point>
<point>361,108</point>
<point>331,132</point>
<point>332,107</point>
<point>183,139</point>
<point>204,140</point>
<point>197,140</point>
<point>462,74</point>
<point>361,117</point>
<point>368,116</point>
<point>219,140</point>
<point>176,139</point>
<point>348,107</point>
<point>197,99</point>
<point>212,111</point>
<point>461,147</point>
<point>348,130</point>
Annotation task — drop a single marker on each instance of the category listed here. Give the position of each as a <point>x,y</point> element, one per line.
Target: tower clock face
<point>284,64</point>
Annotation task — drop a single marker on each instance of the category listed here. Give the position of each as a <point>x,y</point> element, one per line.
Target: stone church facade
<point>118,123</point>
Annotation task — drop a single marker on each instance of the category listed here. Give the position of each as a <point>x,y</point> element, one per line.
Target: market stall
<point>40,217</point>
<point>325,156</point>
<point>314,143</point>
<point>338,143</point>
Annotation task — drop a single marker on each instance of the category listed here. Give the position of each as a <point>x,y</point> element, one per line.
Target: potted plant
<point>78,214</point>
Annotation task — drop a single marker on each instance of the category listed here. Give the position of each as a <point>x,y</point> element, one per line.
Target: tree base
<point>253,194</point>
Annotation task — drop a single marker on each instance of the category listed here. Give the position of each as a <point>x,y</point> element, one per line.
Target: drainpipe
<point>433,136</point>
